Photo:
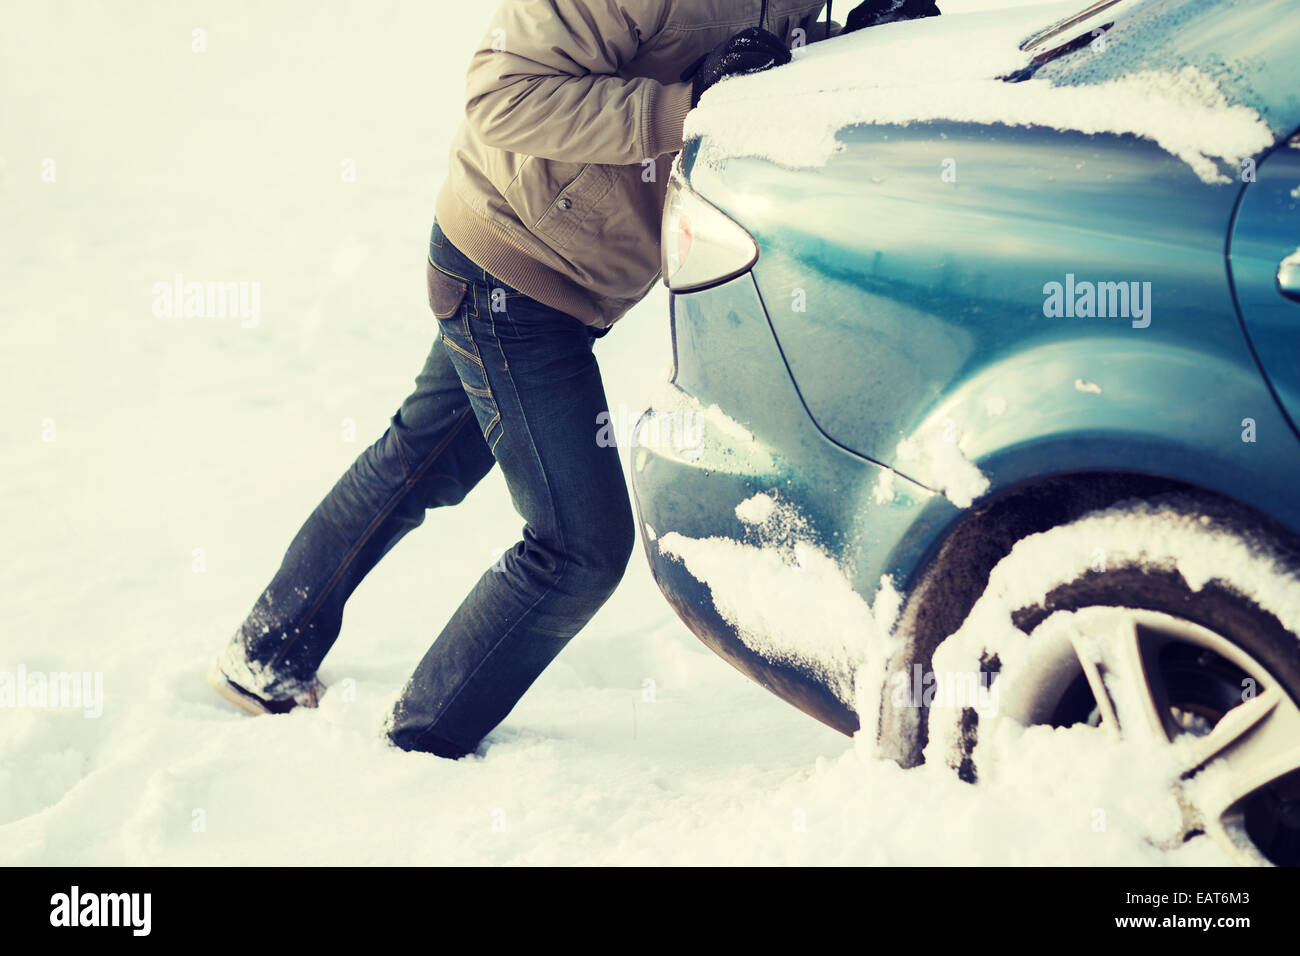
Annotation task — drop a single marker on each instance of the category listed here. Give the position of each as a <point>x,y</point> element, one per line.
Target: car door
<point>1264,253</point>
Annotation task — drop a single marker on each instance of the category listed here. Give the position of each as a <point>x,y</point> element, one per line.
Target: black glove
<point>749,51</point>
<point>872,13</point>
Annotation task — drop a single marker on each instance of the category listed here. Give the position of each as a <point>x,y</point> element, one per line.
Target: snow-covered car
<point>982,416</point>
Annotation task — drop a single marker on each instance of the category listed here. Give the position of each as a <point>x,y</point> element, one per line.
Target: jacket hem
<point>491,247</point>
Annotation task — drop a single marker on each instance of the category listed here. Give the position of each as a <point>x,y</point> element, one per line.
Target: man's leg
<point>537,392</point>
<point>432,454</point>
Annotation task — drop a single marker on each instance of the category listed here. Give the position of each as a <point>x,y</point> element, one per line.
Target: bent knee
<point>604,556</point>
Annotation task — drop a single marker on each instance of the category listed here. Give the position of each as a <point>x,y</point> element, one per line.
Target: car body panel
<point>694,493</point>
<point>934,308</point>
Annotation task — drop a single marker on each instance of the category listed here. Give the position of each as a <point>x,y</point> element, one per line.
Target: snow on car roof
<point>948,68</point>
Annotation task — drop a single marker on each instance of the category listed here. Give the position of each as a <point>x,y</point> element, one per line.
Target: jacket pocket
<point>553,199</point>
<point>579,203</point>
<point>445,292</point>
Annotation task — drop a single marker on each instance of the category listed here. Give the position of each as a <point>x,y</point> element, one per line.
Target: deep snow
<point>157,466</point>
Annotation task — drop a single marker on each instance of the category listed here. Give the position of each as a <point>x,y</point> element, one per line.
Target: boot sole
<point>236,695</point>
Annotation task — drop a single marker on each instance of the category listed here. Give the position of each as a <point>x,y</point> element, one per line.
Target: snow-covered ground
<point>156,467</point>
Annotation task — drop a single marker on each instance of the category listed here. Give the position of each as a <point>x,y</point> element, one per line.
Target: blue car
<point>979,422</point>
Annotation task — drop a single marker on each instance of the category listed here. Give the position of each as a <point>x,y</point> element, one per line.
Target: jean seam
<point>401,453</point>
<point>387,509</point>
<point>445,271</point>
<point>486,394</point>
<point>505,362</point>
<point>473,358</point>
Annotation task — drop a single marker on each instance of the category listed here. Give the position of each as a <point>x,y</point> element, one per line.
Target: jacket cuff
<point>666,110</point>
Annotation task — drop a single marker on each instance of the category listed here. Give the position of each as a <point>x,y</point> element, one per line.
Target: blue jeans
<point>508,380</point>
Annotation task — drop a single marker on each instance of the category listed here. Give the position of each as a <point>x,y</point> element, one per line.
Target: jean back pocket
<point>446,293</point>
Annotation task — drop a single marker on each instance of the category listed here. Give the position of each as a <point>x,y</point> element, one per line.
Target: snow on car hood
<point>947,68</point>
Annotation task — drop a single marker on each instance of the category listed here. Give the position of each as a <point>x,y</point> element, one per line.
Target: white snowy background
<point>174,434</point>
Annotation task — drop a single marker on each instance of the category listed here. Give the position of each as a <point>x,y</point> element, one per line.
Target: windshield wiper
<point>1044,44</point>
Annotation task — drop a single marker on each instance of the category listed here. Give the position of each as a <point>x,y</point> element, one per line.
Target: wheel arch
<point>955,573</point>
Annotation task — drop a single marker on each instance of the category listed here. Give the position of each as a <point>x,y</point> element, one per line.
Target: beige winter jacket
<point>574,110</point>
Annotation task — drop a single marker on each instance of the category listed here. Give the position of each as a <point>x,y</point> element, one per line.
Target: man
<point>546,232</point>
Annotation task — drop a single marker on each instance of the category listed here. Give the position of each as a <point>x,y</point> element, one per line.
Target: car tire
<point>1153,621</point>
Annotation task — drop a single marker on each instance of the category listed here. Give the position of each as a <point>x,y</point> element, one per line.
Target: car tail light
<point>701,245</point>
